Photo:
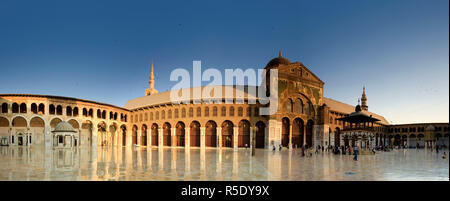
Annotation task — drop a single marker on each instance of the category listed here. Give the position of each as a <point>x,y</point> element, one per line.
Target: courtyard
<point>178,164</point>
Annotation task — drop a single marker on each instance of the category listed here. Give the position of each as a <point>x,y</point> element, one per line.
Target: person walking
<point>355,153</point>
<point>279,148</point>
<point>303,150</point>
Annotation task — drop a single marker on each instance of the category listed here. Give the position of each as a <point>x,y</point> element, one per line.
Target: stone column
<point>172,136</point>
<point>274,128</point>
<point>252,132</point>
<point>290,136</point>
<point>138,136</point>
<point>149,138</point>
<point>160,136</point>
<point>47,135</point>
<point>129,138</point>
<point>235,137</point>
<point>304,135</point>
<point>94,136</point>
<point>202,137</point>
<point>187,138</point>
<point>219,136</point>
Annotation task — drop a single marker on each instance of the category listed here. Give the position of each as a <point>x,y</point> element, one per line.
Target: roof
<point>277,61</point>
<point>164,97</point>
<point>62,97</point>
<point>348,109</point>
<point>63,126</point>
<point>359,116</point>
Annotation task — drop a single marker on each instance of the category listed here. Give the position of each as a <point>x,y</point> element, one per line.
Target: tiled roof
<point>164,97</point>
<point>348,109</point>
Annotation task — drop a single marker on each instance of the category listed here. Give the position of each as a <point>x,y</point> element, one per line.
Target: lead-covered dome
<point>275,62</point>
<point>63,126</point>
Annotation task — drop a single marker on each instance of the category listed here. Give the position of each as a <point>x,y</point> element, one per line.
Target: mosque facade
<point>303,117</point>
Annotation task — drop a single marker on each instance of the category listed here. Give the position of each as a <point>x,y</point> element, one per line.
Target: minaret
<point>364,100</point>
<point>151,90</point>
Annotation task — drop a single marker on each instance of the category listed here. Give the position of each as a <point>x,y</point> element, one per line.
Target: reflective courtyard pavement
<point>38,163</point>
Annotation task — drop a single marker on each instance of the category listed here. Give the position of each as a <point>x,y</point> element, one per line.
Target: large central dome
<point>275,62</point>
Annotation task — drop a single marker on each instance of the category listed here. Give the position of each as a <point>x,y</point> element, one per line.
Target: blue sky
<point>102,50</point>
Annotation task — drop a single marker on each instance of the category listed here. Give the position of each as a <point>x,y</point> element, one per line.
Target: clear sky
<point>102,50</point>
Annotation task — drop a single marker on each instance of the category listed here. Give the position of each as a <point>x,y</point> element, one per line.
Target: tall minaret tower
<point>364,100</point>
<point>151,90</point>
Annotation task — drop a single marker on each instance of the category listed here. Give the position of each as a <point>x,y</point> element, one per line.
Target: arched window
<point>15,108</point>
<point>298,106</point>
<point>104,114</point>
<point>288,106</point>
<point>111,115</point>
<point>224,111</point>
<point>240,111</point>
<point>34,108</point>
<point>99,114</point>
<point>308,109</point>
<point>163,114</point>
<point>183,112</point>
<point>249,111</point>
<point>215,111</point>
<point>169,114</point>
<point>151,115</point>
<point>191,112</point>
<point>146,117</point>
<point>176,113</point>
<point>256,113</point>
<point>23,108</point>
<point>199,112</point>
<point>206,112</point>
<point>68,111</point>
<point>52,109</point>
<point>140,117</point>
<point>59,110</point>
<point>232,111</point>
<point>75,111</point>
<point>5,108</point>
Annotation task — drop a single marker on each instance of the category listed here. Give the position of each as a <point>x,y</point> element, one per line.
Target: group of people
<point>308,151</point>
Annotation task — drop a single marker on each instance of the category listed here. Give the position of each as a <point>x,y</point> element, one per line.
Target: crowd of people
<point>307,151</point>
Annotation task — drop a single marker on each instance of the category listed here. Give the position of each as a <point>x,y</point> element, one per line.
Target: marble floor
<point>111,164</point>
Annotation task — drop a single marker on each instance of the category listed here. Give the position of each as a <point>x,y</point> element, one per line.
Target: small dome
<point>358,108</point>
<point>275,62</point>
<point>430,128</point>
<point>64,127</point>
